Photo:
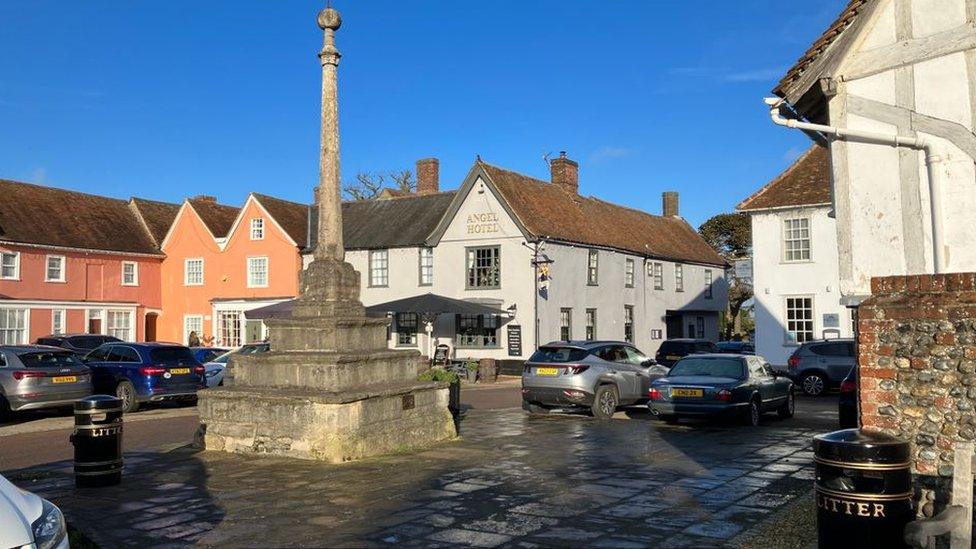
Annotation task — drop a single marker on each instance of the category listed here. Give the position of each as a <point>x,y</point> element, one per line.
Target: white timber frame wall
<point>911,72</point>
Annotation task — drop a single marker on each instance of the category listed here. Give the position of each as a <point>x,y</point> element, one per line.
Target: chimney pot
<point>428,176</point>
<point>565,173</point>
<point>669,201</point>
<point>205,198</point>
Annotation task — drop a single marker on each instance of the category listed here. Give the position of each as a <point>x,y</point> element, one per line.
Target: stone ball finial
<point>329,19</point>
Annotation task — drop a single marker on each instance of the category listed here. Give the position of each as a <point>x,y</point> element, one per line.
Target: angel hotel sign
<point>483,223</point>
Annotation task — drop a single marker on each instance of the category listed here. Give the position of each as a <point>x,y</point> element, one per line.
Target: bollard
<point>488,370</point>
<point>864,489</point>
<point>97,439</point>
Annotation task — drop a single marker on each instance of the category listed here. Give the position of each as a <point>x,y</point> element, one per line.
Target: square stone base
<point>333,427</point>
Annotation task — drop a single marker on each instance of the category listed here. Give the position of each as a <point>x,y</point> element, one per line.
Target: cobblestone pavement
<point>513,480</point>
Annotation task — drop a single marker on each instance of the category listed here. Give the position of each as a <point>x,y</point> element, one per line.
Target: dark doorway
<point>691,330</point>
<point>94,325</point>
<point>151,326</point>
<point>673,325</point>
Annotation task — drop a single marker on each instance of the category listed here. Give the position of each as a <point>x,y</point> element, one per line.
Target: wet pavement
<point>512,480</point>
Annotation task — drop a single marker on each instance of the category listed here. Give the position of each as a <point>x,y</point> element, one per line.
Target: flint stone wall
<point>917,359</point>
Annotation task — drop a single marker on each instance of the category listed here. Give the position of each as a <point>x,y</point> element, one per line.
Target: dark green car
<point>718,385</point>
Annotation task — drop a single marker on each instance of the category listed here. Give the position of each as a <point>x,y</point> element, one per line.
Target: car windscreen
<point>716,367</point>
<point>49,359</point>
<point>172,355</point>
<point>222,359</point>
<point>558,354</point>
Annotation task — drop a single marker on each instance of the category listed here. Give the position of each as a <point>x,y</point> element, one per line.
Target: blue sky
<point>170,99</point>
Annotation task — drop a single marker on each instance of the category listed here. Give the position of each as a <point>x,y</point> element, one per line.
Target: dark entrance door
<point>673,325</point>
<point>94,325</point>
<point>151,326</point>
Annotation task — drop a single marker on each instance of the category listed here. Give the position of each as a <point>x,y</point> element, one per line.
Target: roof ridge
<point>520,174</point>
<point>788,171</point>
<point>134,198</point>
<point>259,196</point>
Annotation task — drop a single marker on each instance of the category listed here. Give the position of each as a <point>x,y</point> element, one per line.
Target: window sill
<point>131,285</point>
<point>796,262</point>
<point>256,287</point>
<point>475,348</point>
<point>56,281</point>
<point>10,279</point>
<point>378,286</point>
<point>483,288</point>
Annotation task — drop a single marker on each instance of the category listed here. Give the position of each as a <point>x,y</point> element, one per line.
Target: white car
<point>216,368</point>
<point>29,522</point>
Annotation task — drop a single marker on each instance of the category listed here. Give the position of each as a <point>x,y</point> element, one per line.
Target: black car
<point>847,403</point>
<point>673,349</point>
<point>737,347</point>
<point>721,385</point>
<point>79,344</point>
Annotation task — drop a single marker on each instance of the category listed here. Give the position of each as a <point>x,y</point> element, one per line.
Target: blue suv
<point>145,372</point>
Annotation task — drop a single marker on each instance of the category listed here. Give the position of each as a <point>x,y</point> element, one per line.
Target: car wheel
<point>127,394</point>
<point>753,413</point>
<point>788,408</point>
<point>813,384</point>
<point>605,402</point>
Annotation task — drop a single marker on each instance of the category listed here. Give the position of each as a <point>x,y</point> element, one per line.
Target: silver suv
<point>37,376</point>
<point>816,366</point>
<point>597,376</point>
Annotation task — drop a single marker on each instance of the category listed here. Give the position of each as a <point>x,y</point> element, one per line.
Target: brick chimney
<point>670,204</point>
<point>565,173</point>
<point>428,176</point>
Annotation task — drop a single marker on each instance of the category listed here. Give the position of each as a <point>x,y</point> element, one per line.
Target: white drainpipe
<point>934,156</point>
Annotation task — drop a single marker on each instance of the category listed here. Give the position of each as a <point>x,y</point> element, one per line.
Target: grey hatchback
<point>819,365</point>
<point>597,376</point>
<point>38,376</point>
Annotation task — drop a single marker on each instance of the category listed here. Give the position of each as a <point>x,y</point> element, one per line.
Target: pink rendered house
<point>78,263</point>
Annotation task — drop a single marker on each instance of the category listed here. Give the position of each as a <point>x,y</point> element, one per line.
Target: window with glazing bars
<point>796,239</point>
<point>483,268</point>
<point>799,319</point>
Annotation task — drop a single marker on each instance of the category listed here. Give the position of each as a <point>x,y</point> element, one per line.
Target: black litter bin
<point>864,489</point>
<point>98,441</point>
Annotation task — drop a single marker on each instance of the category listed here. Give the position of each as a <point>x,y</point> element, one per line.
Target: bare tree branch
<point>368,186</point>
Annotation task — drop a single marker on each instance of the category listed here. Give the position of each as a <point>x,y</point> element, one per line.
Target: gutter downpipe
<point>934,157</point>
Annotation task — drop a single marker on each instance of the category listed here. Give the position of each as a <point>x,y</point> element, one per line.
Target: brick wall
<point>917,358</point>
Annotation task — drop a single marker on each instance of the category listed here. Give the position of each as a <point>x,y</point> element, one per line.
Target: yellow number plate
<point>687,393</point>
<point>672,357</point>
<point>177,371</point>
<point>64,379</point>
<point>546,371</point>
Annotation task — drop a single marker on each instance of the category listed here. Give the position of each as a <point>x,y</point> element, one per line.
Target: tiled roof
<point>546,210</point>
<point>292,216</point>
<point>33,214</point>
<point>847,17</point>
<point>158,216</point>
<point>217,217</point>
<point>394,222</point>
<point>805,183</point>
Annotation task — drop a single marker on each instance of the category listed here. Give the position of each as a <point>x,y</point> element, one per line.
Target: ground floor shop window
<point>477,331</point>
<point>120,325</point>
<point>229,328</point>
<point>13,326</point>
<point>192,326</point>
<point>799,319</point>
<point>57,321</point>
<point>406,326</point>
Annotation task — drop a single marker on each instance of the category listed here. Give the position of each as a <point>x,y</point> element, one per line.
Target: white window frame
<point>657,273</point>
<point>425,265</point>
<point>709,279</point>
<point>679,277</point>
<point>135,273</point>
<point>24,326</point>
<point>186,330</point>
<point>629,268</point>
<point>401,321</point>
<point>251,262</point>
<point>16,256</point>
<point>629,312</point>
<point>63,315</point>
<point>257,228</point>
<point>791,234</point>
<point>593,267</point>
<point>379,268</point>
<point>117,330</point>
<point>591,322</point>
<point>566,323</point>
<point>235,327</point>
<point>790,337</point>
<point>186,271</point>
<point>62,275</point>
